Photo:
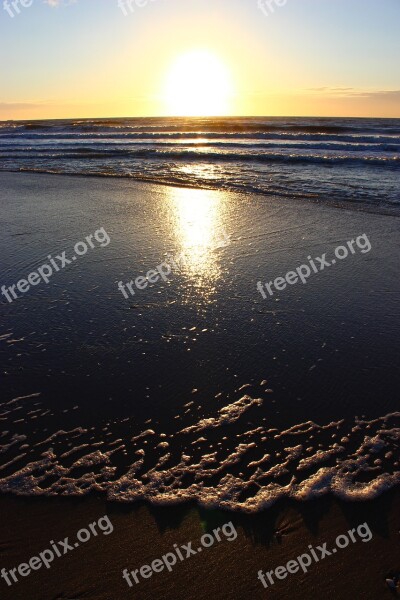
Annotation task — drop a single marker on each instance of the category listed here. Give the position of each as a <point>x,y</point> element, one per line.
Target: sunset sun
<point>198,84</point>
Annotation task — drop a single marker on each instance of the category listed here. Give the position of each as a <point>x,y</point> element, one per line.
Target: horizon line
<point>199,117</point>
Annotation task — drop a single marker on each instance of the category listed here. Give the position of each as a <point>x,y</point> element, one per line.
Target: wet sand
<point>86,372</point>
<point>228,570</point>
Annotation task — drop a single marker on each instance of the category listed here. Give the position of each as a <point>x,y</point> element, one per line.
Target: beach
<point>227,570</point>
<point>193,399</point>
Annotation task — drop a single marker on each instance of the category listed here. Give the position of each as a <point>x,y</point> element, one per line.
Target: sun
<point>198,84</point>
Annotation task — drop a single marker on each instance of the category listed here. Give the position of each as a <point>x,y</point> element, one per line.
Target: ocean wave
<point>198,155</point>
<point>245,145</point>
<point>232,125</point>
<point>159,137</point>
<point>276,156</point>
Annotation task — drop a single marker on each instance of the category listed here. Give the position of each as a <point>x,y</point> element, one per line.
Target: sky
<point>98,58</point>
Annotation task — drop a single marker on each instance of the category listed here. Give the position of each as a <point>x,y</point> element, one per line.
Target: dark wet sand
<point>328,350</point>
<point>227,571</point>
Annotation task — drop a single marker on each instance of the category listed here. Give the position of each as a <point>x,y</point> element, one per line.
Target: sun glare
<point>198,84</point>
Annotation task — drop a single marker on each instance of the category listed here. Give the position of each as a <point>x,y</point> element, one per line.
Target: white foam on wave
<point>232,464</point>
<point>227,414</point>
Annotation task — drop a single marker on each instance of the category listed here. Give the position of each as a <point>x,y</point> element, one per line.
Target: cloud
<point>380,95</point>
<point>318,89</point>
<point>349,92</point>
<point>55,3</point>
<point>18,105</point>
<point>384,95</point>
<point>332,90</point>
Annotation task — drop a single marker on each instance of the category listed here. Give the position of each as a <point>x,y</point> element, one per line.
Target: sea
<point>351,160</point>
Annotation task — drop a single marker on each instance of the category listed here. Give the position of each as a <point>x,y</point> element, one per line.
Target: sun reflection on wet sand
<point>198,230</point>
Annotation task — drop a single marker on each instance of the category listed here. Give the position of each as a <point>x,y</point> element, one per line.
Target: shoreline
<point>340,205</point>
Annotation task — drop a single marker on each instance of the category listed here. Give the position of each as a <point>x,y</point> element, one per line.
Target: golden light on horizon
<point>198,84</point>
